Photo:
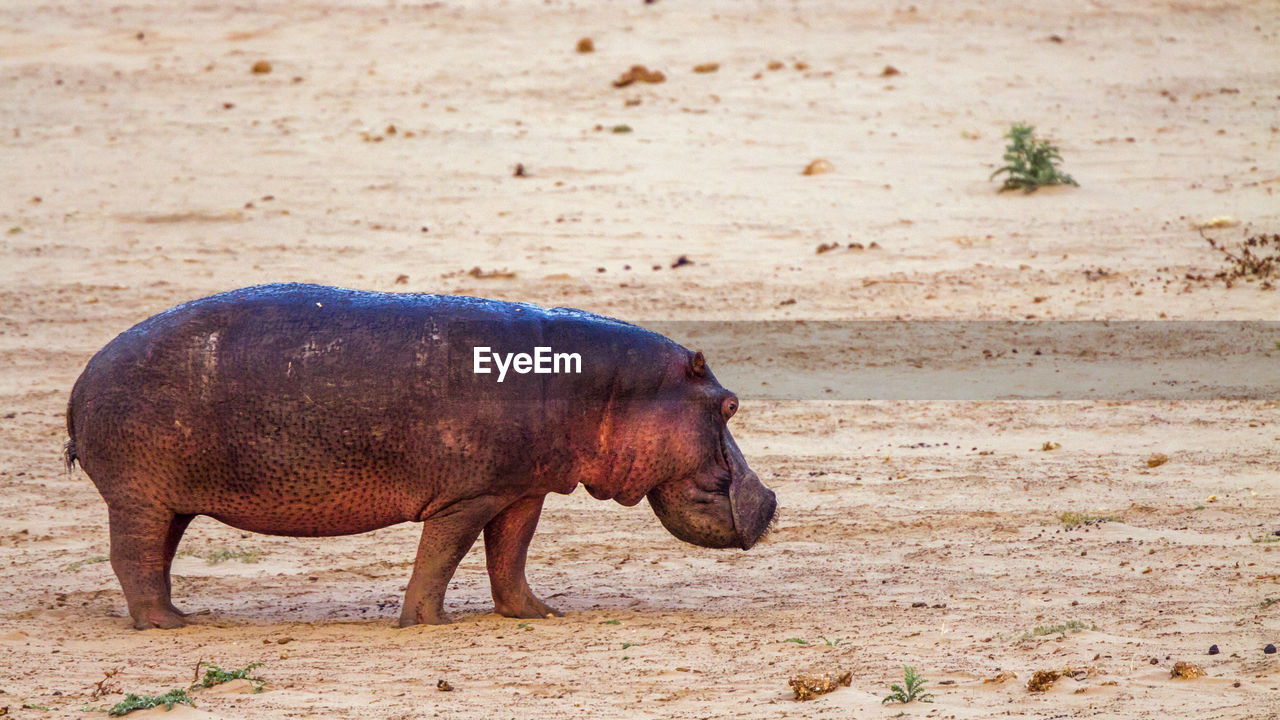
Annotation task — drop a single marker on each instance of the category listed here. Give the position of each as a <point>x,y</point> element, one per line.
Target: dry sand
<point>143,164</point>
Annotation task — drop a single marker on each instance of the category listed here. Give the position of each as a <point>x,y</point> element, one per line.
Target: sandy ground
<point>143,164</point>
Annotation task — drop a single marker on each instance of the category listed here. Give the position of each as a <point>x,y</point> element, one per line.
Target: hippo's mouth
<point>753,508</point>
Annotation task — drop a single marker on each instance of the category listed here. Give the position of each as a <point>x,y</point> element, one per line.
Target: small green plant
<point>829,642</point>
<point>1267,602</point>
<point>620,129</point>
<point>225,554</point>
<point>15,230</point>
<point>611,622</point>
<point>1031,162</point>
<point>1265,538</point>
<point>33,706</point>
<point>911,689</point>
<point>87,561</point>
<point>133,702</point>
<point>214,675</point>
<point>629,645</point>
<point>1062,630</point>
<point>798,641</point>
<point>1072,520</point>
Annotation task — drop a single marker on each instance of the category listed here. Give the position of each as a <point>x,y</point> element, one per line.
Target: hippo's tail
<point>69,455</point>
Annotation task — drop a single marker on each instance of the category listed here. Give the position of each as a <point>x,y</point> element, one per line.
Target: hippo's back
<point>292,409</point>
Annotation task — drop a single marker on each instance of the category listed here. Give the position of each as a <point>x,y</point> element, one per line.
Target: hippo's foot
<point>526,607</point>
<point>165,618</point>
<point>412,616</point>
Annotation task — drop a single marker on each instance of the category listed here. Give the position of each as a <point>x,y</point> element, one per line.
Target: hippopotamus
<point>304,410</point>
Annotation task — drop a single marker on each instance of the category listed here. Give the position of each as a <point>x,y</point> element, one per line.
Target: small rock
<point>519,171</point>
<point>480,274</point>
<point>1222,221</point>
<point>262,67</point>
<point>1001,676</point>
<point>706,67</point>
<point>1213,650</point>
<point>680,262</point>
<point>1270,649</point>
<point>639,73</point>
<point>1157,460</point>
<point>1186,670</point>
<point>890,71</point>
<point>818,167</point>
<point>443,686</point>
<point>585,45</point>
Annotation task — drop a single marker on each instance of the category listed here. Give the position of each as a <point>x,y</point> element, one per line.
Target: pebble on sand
<point>819,167</point>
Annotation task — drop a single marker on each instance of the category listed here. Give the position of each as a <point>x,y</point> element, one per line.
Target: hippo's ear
<point>697,365</point>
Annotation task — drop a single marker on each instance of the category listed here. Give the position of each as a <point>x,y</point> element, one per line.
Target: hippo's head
<point>690,468</point>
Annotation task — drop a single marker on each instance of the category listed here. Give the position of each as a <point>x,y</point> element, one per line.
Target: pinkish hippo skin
<point>304,410</point>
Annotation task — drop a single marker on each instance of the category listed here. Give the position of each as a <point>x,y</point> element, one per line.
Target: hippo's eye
<point>728,407</point>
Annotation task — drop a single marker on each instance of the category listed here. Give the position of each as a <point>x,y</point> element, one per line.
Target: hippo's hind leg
<point>447,535</point>
<point>506,545</point>
<point>143,543</point>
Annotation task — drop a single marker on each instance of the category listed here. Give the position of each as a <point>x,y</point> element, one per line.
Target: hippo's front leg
<point>447,535</point>
<point>506,544</point>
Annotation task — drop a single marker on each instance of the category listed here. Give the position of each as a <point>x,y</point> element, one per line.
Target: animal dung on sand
<point>807,687</point>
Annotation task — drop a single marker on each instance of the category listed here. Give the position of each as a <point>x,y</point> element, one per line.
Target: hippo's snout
<point>754,508</point>
<point>735,514</point>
